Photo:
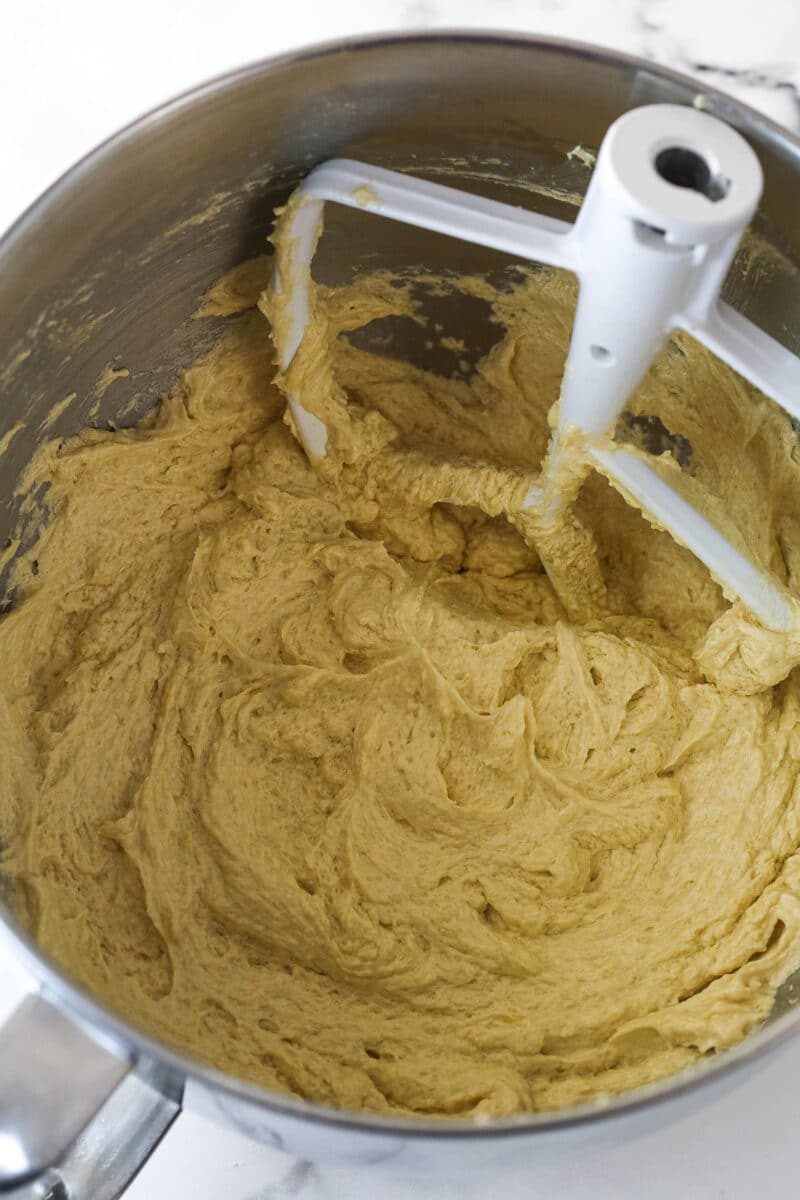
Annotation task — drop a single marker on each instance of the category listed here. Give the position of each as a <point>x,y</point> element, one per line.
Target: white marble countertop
<point>71,73</point>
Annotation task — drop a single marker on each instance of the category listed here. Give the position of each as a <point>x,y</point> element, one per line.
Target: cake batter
<point>315,777</point>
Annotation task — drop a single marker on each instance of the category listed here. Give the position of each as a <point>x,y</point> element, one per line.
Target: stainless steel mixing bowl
<point>107,269</point>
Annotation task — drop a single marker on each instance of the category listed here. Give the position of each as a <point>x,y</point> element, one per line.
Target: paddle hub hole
<point>685,168</point>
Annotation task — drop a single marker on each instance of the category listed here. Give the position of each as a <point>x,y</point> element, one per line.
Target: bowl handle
<point>77,1118</point>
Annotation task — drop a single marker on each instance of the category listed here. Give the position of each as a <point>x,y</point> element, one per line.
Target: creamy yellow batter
<point>319,780</point>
